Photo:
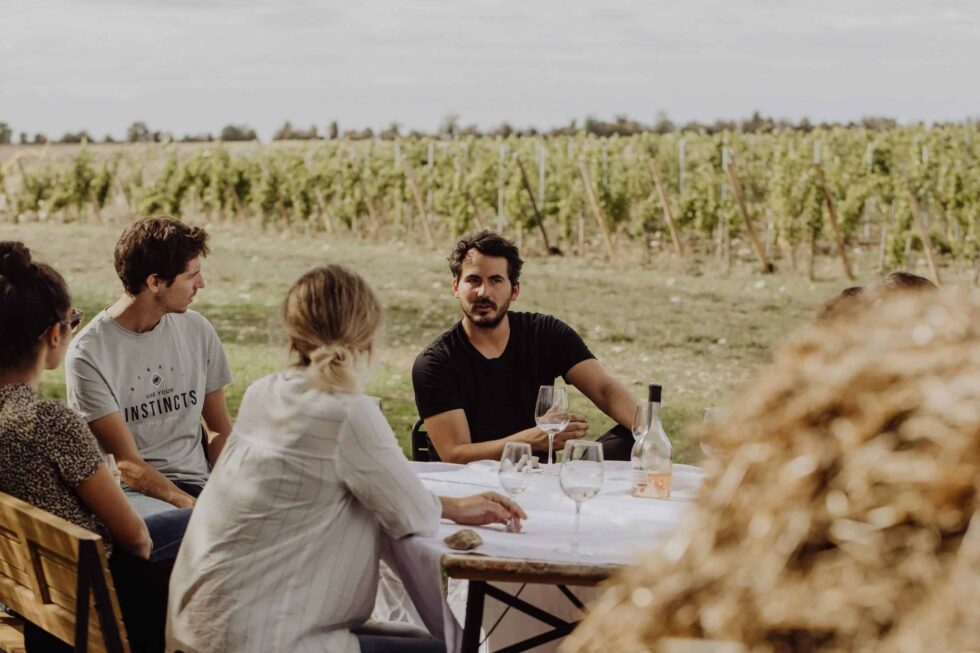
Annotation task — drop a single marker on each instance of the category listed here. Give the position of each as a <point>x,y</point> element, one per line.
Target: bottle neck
<point>654,411</point>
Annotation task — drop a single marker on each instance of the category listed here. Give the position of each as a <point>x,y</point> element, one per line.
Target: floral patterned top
<point>45,451</point>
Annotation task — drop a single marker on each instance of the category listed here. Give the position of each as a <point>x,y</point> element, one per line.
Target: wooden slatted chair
<point>55,574</point>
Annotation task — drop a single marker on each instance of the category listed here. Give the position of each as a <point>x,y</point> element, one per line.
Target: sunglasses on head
<point>73,321</point>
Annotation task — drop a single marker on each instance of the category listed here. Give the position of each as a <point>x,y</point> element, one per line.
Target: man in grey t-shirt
<point>145,370</point>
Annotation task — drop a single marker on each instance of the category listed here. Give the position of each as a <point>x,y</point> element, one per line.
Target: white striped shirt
<point>281,553</point>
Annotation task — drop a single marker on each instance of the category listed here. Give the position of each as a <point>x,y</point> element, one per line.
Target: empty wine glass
<point>551,413</point>
<point>641,420</point>
<point>711,415</point>
<point>580,479</point>
<point>515,471</point>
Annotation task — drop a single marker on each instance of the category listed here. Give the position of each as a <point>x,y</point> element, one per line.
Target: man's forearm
<point>617,402</point>
<point>492,449</point>
<point>144,478</point>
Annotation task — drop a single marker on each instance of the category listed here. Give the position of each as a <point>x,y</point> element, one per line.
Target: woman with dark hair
<point>48,456</point>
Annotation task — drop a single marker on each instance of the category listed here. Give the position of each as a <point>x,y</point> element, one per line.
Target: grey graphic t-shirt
<point>156,380</point>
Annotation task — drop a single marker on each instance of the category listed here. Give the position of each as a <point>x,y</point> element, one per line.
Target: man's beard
<point>488,324</point>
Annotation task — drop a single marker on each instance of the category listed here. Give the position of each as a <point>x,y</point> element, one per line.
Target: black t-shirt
<point>498,395</point>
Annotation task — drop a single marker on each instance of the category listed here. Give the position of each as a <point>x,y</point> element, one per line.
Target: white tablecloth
<point>615,528</point>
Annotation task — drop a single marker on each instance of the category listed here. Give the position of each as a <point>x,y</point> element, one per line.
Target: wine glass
<point>580,479</point>
<point>515,471</point>
<point>641,421</point>
<point>711,415</point>
<point>551,413</point>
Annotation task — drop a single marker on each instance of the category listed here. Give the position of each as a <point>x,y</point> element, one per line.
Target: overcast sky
<point>197,65</point>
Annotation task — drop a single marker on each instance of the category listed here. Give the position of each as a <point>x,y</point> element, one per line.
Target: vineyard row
<point>900,190</point>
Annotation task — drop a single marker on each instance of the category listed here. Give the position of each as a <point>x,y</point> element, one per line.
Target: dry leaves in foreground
<point>841,511</point>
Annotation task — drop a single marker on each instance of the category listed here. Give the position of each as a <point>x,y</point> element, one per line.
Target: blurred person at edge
<point>282,551</point>
<point>50,459</point>
<point>847,467</point>
<point>891,283</point>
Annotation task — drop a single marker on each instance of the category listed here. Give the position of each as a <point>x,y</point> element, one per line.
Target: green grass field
<point>698,331</point>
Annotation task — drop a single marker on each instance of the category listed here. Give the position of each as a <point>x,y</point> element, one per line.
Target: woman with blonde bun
<point>282,550</point>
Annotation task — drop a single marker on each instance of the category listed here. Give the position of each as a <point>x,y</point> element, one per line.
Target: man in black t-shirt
<point>476,384</point>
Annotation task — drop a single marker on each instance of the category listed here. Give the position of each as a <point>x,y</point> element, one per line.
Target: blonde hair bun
<point>332,318</point>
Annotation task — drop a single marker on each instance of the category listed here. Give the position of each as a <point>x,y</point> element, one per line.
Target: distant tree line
<point>450,127</point>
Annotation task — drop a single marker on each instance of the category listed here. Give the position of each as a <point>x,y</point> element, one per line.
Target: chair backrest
<point>55,574</point>
<point>422,449</point>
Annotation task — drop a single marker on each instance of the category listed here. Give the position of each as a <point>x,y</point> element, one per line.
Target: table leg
<point>475,596</point>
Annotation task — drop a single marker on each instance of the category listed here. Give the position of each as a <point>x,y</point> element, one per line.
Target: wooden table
<point>482,571</point>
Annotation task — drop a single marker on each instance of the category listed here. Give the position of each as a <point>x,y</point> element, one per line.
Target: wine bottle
<point>651,458</point>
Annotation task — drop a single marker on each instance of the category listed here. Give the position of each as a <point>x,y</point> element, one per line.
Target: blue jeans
<point>165,522</point>
<point>167,532</point>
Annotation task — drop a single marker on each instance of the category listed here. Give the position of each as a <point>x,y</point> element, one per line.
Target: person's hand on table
<point>482,509</point>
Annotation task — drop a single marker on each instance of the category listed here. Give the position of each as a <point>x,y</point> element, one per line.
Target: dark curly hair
<point>162,246</point>
<point>33,298</point>
<point>489,244</point>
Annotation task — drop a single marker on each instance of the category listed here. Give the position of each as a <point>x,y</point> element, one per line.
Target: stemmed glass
<point>551,413</point>
<point>580,479</point>
<point>711,415</point>
<point>515,471</point>
<point>641,420</point>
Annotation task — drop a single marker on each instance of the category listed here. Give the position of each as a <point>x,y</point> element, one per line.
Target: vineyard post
<point>605,163</point>
<point>600,218</point>
<point>665,205</point>
<point>924,237</point>
<point>501,180</point>
<point>324,210</point>
<point>866,219</point>
<point>429,192</point>
<point>767,267</point>
<point>534,206</point>
<point>812,267</point>
<point>372,212</point>
<point>811,270</point>
<point>419,202</point>
<point>829,200</point>
<point>95,207</point>
<point>723,252</point>
<point>681,164</point>
<point>884,237</point>
<point>769,234</point>
<point>399,203</point>
<point>541,173</point>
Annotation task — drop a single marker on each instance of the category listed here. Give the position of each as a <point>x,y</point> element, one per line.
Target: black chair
<point>422,449</point>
